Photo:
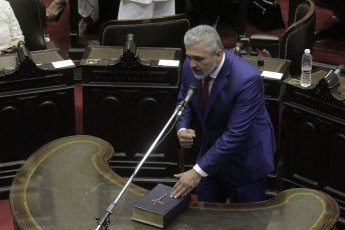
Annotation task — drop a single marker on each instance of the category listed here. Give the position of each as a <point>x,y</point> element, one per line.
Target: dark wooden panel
<point>335,142</point>
<point>129,103</point>
<point>130,118</point>
<point>314,136</point>
<point>36,107</point>
<point>303,147</point>
<point>68,183</point>
<point>29,121</point>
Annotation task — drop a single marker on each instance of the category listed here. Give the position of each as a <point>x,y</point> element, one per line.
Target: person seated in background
<point>87,9</point>
<point>138,9</point>
<point>10,31</point>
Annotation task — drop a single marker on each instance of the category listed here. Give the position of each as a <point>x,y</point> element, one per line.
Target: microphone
<point>130,36</point>
<point>21,43</point>
<point>23,52</point>
<point>330,83</point>
<point>331,77</point>
<point>130,45</point>
<point>340,69</point>
<point>193,87</point>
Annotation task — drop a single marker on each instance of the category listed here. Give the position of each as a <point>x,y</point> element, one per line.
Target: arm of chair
<point>50,45</point>
<point>93,43</point>
<point>269,42</point>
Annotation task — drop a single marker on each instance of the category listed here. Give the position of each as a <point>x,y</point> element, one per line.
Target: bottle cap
<point>307,51</point>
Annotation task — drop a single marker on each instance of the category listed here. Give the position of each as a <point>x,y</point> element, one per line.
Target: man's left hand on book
<point>187,182</point>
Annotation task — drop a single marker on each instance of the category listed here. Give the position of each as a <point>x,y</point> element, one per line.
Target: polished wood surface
<point>68,182</point>
<point>43,59</point>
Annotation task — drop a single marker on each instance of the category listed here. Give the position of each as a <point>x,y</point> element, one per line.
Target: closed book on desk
<point>156,208</point>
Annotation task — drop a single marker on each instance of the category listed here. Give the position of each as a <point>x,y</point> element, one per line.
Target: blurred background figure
<point>55,10</point>
<point>137,9</point>
<point>10,32</point>
<point>87,9</point>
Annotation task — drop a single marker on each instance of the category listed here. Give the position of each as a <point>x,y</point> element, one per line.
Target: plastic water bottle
<point>307,62</point>
<point>266,53</point>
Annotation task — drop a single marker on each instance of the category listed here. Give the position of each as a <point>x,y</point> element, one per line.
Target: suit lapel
<point>198,98</point>
<point>218,84</point>
<point>217,87</point>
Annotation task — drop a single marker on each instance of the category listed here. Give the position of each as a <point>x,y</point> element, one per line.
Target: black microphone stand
<point>105,221</point>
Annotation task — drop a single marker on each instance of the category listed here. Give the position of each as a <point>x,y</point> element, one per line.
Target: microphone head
<point>130,36</point>
<point>191,90</point>
<point>340,69</point>
<point>21,43</point>
<point>194,86</point>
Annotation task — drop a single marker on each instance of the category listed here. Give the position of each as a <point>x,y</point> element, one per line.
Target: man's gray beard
<point>201,77</point>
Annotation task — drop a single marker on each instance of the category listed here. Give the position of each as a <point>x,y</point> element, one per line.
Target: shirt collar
<point>215,73</point>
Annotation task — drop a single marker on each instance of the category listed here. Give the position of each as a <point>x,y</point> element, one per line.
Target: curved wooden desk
<point>68,182</point>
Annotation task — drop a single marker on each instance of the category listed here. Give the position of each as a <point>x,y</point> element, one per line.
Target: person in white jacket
<point>10,32</point>
<point>137,9</point>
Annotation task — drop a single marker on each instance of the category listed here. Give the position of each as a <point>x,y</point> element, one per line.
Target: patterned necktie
<point>205,92</point>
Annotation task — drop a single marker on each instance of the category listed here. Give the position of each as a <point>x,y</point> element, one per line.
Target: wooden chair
<point>31,15</point>
<point>165,31</point>
<point>297,37</point>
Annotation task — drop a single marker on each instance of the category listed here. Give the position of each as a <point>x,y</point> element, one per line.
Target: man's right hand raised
<point>185,138</point>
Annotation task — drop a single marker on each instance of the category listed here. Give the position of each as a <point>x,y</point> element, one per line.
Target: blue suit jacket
<point>235,124</point>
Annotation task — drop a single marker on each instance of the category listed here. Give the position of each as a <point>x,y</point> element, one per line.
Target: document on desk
<point>271,75</point>
<point>63,64</point>
<point>168,63</point>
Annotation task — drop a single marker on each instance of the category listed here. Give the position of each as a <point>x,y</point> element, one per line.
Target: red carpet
<point>78,100</point>
<point>6,219</point>
<point>59,31</point>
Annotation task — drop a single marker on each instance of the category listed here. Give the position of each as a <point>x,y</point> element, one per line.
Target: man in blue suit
<point>238,143</point>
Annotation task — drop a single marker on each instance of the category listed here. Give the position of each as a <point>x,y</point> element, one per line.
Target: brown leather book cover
<point>156,208</point>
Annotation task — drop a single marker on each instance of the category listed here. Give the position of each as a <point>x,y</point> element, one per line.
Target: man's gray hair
<point>206,34</point>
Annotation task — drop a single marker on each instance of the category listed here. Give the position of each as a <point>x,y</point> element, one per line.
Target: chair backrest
<point>31,17</point>
<point>165,31</point>
<point>299,35</point>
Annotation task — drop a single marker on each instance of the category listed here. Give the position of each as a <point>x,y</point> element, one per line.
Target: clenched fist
<point>185,138</point>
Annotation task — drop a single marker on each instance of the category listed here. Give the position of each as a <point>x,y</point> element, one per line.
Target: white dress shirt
<point>213,76</point>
